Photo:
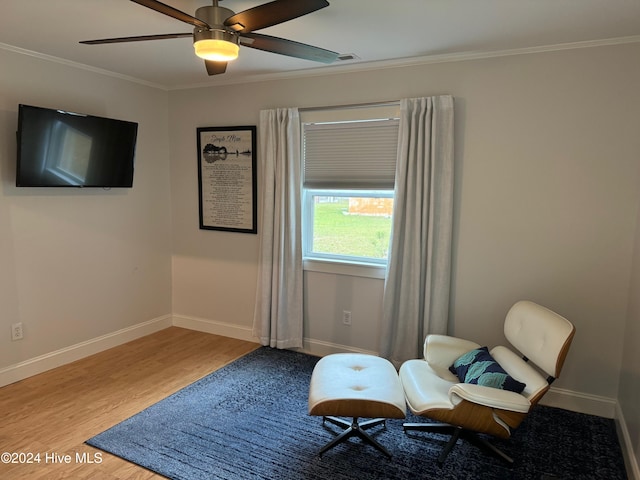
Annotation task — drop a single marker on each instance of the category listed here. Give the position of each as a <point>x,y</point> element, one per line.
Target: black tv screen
<point>65,149</point>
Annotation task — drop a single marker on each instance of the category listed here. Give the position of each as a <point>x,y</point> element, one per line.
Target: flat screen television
<point>57,148</point>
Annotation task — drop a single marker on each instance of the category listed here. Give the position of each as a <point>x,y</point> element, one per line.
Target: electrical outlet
<point>346,317</point>
<point>16,331</point>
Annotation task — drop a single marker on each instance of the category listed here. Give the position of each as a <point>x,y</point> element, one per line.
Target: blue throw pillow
<point>479,367</point>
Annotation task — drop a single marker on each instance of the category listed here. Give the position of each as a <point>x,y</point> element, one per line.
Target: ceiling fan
<point>218,32</point>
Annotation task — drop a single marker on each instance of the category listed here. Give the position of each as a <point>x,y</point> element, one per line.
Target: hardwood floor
<point>53,413</point>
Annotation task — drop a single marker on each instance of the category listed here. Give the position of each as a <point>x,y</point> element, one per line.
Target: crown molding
<point>337,69</point>
<point>78,65</point>
<point>411,61</point>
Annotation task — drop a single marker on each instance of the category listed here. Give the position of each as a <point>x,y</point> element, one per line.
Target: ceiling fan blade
<point>215,68</point>
<point>140,38</point>
<point>172,12</point>
<point>272,13</point>
<point>287,47</point>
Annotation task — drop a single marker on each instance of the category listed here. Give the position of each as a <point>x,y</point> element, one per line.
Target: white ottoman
<point>355,385</point>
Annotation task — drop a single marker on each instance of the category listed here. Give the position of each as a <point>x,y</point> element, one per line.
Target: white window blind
<point>350,155</point>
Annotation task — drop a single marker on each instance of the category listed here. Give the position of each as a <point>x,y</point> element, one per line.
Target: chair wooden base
<point>354,428</point>
<point>456,433</point>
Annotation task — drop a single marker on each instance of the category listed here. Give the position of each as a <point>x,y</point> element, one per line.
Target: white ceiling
<point>391,32</point>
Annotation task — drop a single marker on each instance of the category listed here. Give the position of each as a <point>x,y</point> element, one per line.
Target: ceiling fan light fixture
<point>216,50</point>
<point>216,45</point>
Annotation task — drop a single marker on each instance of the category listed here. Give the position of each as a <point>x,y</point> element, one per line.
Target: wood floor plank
<point>53,413</point>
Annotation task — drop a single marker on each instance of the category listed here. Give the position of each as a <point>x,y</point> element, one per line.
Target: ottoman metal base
<point>354,428</point>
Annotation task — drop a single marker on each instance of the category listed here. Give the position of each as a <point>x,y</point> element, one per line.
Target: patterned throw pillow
<point>479,367</point>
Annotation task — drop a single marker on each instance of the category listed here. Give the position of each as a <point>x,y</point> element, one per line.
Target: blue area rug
<point>249,420</point>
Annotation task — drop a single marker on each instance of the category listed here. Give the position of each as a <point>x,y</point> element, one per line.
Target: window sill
<point>344,268</point>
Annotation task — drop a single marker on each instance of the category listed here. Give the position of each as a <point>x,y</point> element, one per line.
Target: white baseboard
<point>320,348</point>
<point>630,460</point>
<point>42,363</point>
<point>217,328</point>
<point>580,402</point>
<point>48,361</point>
<point>317,348</point>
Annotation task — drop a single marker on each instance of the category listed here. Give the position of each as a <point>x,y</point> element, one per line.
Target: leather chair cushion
<point>356,385</point>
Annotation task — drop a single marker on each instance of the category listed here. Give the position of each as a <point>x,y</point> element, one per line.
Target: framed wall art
<point>227,181</point>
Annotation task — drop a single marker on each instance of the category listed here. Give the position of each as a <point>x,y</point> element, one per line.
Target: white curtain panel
<point>277,318</point>
<point>417,285</point>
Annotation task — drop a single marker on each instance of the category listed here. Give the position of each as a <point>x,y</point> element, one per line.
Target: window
<point>348,174</point>
<point>348,225</point>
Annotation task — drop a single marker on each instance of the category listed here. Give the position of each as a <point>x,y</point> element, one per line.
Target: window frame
<point>341,264</point>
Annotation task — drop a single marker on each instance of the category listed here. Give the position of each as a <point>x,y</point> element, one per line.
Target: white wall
<point>629,393</point>
<point>547,167</point>
<point>77,264</point>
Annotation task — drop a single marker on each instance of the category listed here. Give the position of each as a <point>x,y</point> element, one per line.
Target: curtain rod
<point>351,105</point>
